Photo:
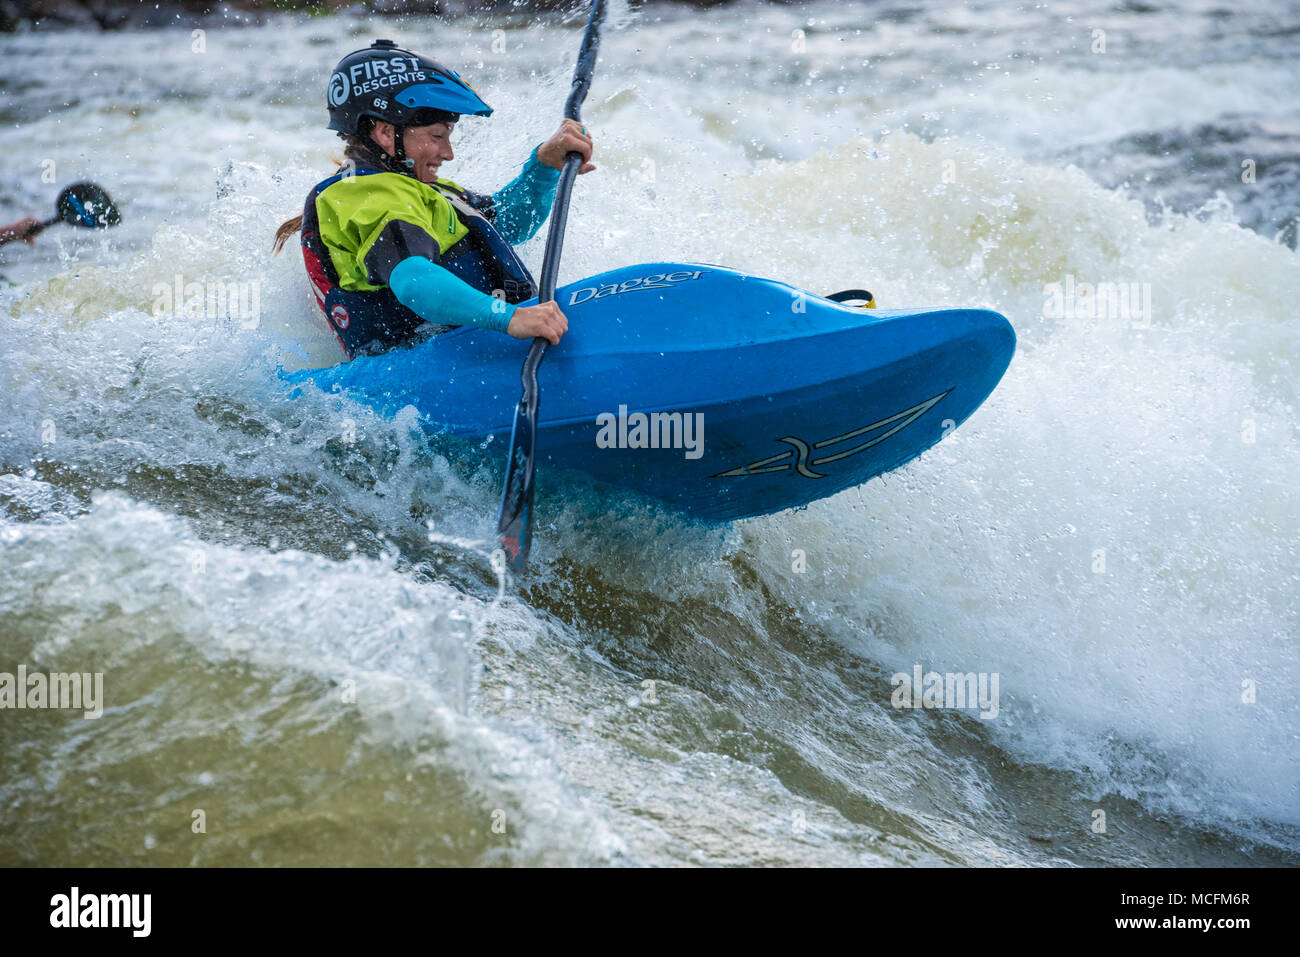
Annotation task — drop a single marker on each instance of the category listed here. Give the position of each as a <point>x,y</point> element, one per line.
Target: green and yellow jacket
<point>388,254</point>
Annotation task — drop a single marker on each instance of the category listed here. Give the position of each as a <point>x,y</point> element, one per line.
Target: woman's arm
<point>436,294</point>
<point>26,228</point>
<point>523,204</point>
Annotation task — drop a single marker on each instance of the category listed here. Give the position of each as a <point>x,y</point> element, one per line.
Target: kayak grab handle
<point>854,296</point>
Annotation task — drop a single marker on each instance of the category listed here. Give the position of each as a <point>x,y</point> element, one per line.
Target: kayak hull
<point>721,394</point>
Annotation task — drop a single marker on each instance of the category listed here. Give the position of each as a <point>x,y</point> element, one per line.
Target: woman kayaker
<point>393,252</point>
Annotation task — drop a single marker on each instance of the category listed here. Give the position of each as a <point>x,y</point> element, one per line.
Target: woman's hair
<point>287,229</point>
<point>360,148</point>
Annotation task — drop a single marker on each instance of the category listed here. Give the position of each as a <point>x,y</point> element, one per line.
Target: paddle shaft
<point>551,266</point>
<point>515,521</point>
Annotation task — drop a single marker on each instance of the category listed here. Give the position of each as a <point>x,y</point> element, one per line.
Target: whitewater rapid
<point>305,635</point>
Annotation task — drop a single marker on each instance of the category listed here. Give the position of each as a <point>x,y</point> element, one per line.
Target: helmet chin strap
<point>402,162</point>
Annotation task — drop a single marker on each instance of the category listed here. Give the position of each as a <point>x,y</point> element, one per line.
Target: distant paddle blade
<point>87,205</point>
<point>513,527</point>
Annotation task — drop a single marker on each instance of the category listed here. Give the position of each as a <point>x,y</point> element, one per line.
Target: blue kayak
<point>722,394</point>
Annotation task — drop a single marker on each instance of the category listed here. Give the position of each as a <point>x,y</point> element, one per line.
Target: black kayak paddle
<point>514,527</point>
<point>84,204</point>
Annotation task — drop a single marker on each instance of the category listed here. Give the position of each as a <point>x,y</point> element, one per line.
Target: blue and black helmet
<point>399,87</point>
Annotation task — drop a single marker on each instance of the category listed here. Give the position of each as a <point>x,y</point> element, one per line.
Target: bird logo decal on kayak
<point>800,456</point>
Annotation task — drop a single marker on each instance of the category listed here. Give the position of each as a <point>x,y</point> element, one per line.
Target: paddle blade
<point>88,205</point>
<point>514,527</point>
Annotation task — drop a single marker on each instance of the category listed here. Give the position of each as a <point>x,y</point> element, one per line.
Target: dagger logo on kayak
<point>657,281</point>
<point>800,456</point>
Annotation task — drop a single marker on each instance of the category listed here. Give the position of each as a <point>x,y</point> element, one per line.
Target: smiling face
<point>428,146</point>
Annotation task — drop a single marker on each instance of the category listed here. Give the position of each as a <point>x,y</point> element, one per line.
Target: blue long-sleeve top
<point>523,204</point>
<point>437,295</point>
